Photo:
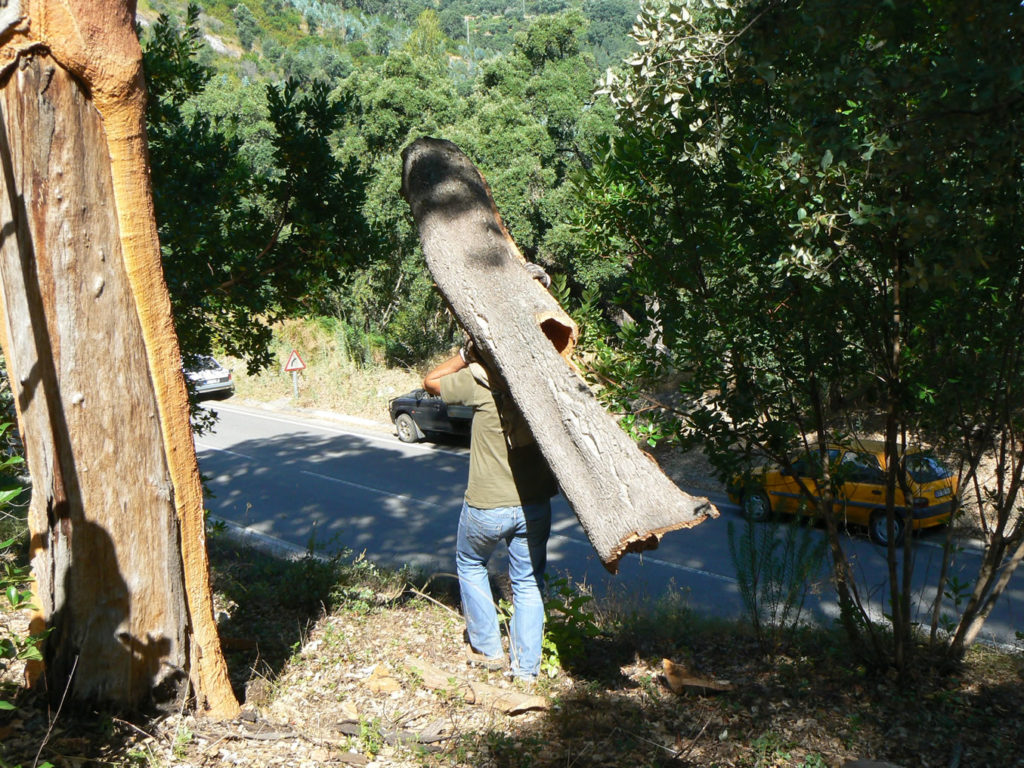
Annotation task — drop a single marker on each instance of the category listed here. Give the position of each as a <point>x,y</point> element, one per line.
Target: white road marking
<point>201,447</point>
<point>378,491</point>
<point>331,479</point>
<point>654,560</point>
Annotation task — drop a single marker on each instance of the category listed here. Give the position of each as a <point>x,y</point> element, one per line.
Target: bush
<point>15,579</point>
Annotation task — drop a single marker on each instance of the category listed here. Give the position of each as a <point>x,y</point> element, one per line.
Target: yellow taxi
<point>858,471</point>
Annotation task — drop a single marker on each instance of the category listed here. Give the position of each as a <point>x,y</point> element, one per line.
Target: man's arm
<point>432,381</point>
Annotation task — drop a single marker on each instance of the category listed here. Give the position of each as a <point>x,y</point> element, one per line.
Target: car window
<point>861,468</point>
<point>809,464</point>
<point>201,363</point>
<point>925,469</point>
<point>806,467</point>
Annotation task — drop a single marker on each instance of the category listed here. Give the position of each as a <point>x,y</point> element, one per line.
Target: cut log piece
<point>622,498</point>
<point>680,679</point>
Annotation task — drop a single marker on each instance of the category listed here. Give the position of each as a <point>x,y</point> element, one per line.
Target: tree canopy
<point>278,221</point>
<point>817,207</point>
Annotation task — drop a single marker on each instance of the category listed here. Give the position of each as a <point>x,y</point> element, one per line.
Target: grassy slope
<point>330,382</point>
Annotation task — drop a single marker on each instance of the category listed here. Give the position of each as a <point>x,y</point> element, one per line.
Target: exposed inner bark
<point>105,532</point>
<point>562,336</point>
<point>92,84</point>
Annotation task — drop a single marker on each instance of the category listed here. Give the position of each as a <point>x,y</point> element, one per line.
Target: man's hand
<point>537,273</point>
<point>468,352</point>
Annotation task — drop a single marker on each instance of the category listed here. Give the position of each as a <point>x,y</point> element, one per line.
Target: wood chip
<point>679,679</point>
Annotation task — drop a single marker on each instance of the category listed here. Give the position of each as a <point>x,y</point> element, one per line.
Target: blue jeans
<point>525,531</point>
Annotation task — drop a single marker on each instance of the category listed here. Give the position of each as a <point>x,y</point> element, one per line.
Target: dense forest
<point>290,118</point>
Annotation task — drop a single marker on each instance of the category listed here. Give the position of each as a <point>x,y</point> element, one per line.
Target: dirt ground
<point>343,682</point>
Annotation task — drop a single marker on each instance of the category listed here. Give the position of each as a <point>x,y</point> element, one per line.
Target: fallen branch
<point>425,739</point>
<point>679,678</point>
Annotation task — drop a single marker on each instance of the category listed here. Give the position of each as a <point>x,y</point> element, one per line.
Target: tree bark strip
<point>116,514</point>
<point>621,497</point>
<point>510,702</point>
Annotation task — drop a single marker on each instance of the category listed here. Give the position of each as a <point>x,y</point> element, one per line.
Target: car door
<point>863,486</point>
<point>430,413</point>
<point>788,495</point>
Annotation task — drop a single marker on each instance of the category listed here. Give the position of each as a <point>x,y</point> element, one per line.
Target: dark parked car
<point>419,413</point>
<point>208,378</point>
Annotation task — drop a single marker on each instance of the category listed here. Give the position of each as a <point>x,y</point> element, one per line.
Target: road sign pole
<point>293,366</point>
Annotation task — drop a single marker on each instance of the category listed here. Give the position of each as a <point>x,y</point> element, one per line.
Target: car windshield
<point>201,363</point>
<point>926,469</point>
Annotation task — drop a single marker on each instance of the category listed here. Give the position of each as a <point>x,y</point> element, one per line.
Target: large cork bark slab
<point>622,498</point>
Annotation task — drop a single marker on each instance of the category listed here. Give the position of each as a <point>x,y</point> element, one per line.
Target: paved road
<point>300,482</point>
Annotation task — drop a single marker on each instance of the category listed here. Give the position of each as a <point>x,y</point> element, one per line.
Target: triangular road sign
<point>294,362</point>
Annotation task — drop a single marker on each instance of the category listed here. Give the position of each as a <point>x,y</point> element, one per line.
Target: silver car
<point>208,378</point>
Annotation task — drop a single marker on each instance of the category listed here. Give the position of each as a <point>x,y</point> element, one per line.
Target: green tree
<point>815,204</point>
<point>547,83</point>
<point>314,61</point>
<point>551,38</point>
<point>246,238</point>
<point>247,25</point>
<point>427,39</point>
<point>390,305</point>
<point>608,31</point>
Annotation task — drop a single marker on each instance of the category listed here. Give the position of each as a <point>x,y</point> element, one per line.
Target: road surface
<point>327,486</point>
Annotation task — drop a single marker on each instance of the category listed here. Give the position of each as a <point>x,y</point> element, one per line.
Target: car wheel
<point>756,506</point>
<point>408,432</point>
<point>878,528</point>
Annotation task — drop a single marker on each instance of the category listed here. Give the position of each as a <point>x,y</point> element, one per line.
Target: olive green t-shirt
<point>499,476</point>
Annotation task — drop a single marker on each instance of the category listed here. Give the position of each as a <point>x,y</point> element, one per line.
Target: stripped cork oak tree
<point>116,518</point>
<point>622,498</point>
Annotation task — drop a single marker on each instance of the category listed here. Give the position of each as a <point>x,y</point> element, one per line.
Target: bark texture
<point>116,513</point>
<point>622,498</point>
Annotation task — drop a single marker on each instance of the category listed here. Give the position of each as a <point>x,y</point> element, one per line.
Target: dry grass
<point>331,381</point>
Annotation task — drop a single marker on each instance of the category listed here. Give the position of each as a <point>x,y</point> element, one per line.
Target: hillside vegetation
<point>772,242</point>
<point>779,224</point>
<point>290,117</point>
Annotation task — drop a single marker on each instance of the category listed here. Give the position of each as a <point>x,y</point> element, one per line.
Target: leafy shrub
<point>14,583</point>
<point>568,625</point>
<point>15,579</point>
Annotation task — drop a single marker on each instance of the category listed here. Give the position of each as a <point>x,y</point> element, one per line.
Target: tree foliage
<point>513,87</point>
<point>252,228</point>
<point>818,205</point>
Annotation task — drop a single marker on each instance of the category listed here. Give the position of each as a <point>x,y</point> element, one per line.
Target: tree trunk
<point>116,520</point>
<point>620,495</point>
